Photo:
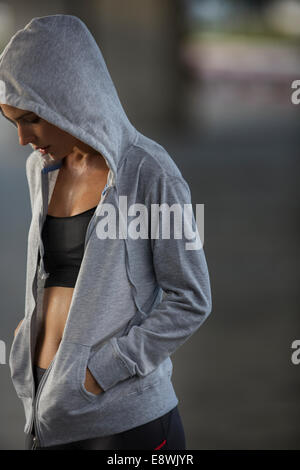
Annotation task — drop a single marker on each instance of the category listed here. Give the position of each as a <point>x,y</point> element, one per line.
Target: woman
<point>106,305</point>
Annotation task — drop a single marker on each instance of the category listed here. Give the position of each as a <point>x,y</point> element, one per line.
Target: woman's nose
<point>25,137</point>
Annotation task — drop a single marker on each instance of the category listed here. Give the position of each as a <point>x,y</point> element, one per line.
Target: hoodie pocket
<point>85,355</point>
<point>136,319</point>
<point>63,394</point>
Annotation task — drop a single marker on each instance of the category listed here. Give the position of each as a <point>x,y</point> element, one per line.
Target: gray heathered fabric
<point>135,302</point>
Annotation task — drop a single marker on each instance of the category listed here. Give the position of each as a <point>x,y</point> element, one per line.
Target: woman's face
<point>40,133</point>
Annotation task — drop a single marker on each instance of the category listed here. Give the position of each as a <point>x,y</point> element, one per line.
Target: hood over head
<point>54,67</point>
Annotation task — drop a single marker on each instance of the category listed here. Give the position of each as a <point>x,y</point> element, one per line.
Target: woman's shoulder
<point>152,160</point>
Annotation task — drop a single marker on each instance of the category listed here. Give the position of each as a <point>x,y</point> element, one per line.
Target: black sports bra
<point>63,240</point>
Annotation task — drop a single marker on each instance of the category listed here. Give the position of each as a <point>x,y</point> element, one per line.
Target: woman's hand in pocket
<point>19,324</point>
<point>90,383</point>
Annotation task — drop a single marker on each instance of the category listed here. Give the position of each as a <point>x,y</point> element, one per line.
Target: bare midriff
<point>75,191</point>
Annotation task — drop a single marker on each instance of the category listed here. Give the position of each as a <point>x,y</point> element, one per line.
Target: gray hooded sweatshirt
<point>136,300</point>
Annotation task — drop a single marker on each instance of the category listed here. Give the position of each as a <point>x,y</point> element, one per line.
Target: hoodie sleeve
<point>183,276</point>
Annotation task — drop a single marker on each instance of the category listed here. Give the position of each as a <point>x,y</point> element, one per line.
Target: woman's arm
<point>183,276</point>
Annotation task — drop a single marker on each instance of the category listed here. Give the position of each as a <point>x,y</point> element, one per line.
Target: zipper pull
<point>34,445</point>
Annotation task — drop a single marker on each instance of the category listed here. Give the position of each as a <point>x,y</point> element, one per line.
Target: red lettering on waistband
<point>160,445</point>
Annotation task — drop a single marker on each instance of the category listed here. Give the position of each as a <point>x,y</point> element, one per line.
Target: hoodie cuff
<point>107,367</point>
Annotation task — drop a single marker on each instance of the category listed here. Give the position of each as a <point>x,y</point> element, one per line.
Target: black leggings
<point>163,433</point>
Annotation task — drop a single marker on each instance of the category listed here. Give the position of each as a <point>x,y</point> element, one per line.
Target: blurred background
<point>210,80</point>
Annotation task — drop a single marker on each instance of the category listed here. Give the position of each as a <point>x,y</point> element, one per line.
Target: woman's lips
<point>44,150</point>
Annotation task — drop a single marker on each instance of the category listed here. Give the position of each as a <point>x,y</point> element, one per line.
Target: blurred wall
<point>140,42</point>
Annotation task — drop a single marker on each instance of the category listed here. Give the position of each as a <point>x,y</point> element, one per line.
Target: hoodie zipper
<point>37,437</point>
<point>103,196</point>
